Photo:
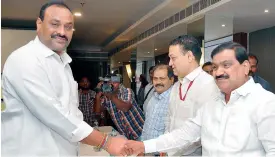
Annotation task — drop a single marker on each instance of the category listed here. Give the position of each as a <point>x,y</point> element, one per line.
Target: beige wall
<point>12,40</point>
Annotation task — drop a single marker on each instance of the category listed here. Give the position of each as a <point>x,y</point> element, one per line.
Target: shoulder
<point>22,59</point>
<point>264,100</point>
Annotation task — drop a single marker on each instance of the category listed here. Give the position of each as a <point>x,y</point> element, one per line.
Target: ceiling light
<point>223,25</point>
<point>156,49</point>
<point>73,29</point>
<point>129,61</point>
<point>148,52</point>
<point>118,62</point>
<point>78,14</point>
<point>266,10</point>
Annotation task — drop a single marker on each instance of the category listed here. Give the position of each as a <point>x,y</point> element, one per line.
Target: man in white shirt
<point>239,122</point>
<point>187,95</point>
<point>41,117</point>
<point>149,90</point>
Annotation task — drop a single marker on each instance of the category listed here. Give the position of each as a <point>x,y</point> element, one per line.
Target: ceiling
<point>238,15</point>
<point>101,21</point>
<point>106,24</point>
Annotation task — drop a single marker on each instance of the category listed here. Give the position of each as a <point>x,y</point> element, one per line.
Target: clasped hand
<point>123,147</point>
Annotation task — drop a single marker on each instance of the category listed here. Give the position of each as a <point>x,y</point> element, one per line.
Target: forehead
<point>224,55</point>
<point>252,60</point>
<point>84,79</point>
<point>59,13</point>
<point>174,50</point>
<point>160,72</point>
<point>207,67</point>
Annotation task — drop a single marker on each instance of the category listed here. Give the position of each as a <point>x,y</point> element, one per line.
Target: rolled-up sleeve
<point>29,81</point>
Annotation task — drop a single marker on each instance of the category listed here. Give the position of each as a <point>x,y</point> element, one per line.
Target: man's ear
<point>246,66</point>
<point>38,24</point>
<point>190,56</point>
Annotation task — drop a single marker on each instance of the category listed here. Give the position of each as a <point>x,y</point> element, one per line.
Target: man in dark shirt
<point>253,61</point>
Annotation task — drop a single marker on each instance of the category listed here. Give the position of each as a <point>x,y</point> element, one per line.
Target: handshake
<point>123,147</point>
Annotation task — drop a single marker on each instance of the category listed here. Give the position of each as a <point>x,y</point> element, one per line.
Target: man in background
<point>149,90</point>
<point>253,61</point>
<point>207,67</point>
<point>91,113</point>
<point>123,108</point>
<point>157,110</point>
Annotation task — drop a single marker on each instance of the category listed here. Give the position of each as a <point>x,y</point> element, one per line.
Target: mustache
<point>59,35</point>
<point>222,77</point>
<point>159,85</point>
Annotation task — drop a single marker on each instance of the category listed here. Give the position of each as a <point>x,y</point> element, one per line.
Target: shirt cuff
<point>82,131</point>
<point>150,146</point>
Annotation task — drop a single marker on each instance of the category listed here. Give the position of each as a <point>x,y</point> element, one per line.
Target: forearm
<point>94,138</point>
<point>121,105</point>
<point>97,107</point>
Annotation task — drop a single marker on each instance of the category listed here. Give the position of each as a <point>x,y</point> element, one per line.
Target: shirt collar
<point>191,76</point>
<point>164,94</point>
<point>244,89</point>
<point>46,52</point>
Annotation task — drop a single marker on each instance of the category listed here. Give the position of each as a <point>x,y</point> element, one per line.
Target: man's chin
<point>57,47</point>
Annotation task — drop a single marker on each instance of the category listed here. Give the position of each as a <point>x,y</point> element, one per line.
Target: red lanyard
<point>189,86</point>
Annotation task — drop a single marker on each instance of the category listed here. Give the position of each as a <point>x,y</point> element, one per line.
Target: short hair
<point>240,51</point>
<point>58,3</point>
<point>170,73</point>
<point>252,56</point>
<point>206,64</point>
<point>151,68</point>
<point>188,43</point>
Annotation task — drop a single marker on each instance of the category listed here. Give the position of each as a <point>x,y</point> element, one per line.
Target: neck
<point>192,67</point>
<point>59,52</point>
<point>227,95</point>
<point>85,90</point>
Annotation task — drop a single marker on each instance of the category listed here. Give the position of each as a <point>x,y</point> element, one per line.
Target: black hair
<point>51,3</point>
<point>240,51</point>
<point>206,64</point>
<point>253,57</point>
<point>188,43</point>
<point>170,73</point>
<point>151,68</point>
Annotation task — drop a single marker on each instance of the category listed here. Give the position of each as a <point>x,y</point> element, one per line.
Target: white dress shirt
<point>243,127</point>
<point>147,89</point>
<point>41,116</point>
<point>202,90</point>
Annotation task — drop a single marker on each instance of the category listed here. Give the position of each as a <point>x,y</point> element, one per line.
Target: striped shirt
<point>128,123</point>
<point>86,106</point>
<point>156,115</point>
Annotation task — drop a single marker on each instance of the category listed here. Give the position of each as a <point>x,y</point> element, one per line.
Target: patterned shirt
<point>128,123</point>
<point>156,115</point>
<point>86,106</point>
